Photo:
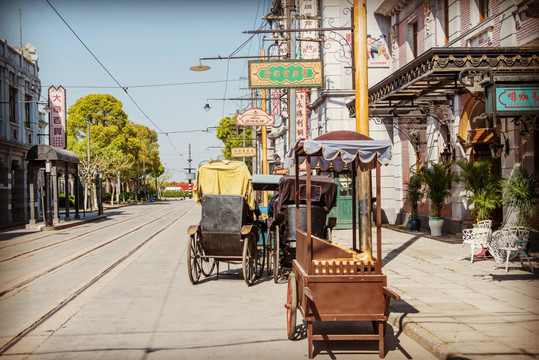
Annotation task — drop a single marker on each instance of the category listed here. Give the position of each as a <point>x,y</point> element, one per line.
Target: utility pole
<point>189,172</point>
<point>264,135</point>
<point>362,119</point>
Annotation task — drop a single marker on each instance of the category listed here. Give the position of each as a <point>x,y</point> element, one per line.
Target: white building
<point>20,90</point>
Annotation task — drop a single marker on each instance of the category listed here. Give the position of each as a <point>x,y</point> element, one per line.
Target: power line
<point>147,85</point>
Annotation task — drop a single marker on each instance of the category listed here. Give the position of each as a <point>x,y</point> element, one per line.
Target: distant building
<point>20,90</point>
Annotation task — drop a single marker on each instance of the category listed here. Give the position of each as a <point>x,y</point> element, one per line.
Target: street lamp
<point>100,204</point>
<point>497,147</point>
<point>207,107</point>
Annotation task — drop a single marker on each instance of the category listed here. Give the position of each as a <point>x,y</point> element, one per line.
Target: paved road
<point>118,289</point>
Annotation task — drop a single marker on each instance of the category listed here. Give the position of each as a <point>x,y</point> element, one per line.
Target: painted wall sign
<point>254,117</point>
<point>285,73</point>
<point>243,151</point>
<point>57,117</point>
<point>517,98</point>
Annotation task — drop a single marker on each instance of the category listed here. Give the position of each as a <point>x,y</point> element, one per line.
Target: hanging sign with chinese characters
<point>302,116</point>
<point>57,117</point>
<point>308,42</point>
<point>243,152</point>
<point>285,73</point>
<point>254,117</point>
<point>517,98</point>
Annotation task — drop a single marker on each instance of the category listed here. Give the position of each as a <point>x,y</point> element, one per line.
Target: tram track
<point>18,284</point>
<point>77,237</point>
<point>94,280</point>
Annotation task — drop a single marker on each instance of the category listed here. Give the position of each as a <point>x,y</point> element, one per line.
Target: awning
<point>341,150</point>
<point>43,152</point>
<point>440,73</point>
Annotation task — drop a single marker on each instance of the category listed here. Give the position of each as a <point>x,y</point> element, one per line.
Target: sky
<point>147,46</point>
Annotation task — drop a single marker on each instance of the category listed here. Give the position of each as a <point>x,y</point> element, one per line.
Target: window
<point>413,45</point>
<point>484,9</point>
<point>446,21</point>
<point>12,99</point>
<point>27,105</point>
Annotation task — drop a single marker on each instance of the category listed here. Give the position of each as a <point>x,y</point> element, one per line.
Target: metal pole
<point>362,117</point>
<point>87,187</point>
<point>189,170</point>
<point>264,135</point>
<point>292,92</point>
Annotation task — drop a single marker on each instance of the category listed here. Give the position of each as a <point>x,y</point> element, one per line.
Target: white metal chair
<point>487,224</point>
<point>509,242</point>
<point>475,238</point>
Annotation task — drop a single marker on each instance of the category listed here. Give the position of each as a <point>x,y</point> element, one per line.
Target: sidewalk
<point>455,309</point>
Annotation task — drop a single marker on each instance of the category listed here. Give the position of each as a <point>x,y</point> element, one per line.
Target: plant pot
<point>436,225</point>
<point>414,225</point>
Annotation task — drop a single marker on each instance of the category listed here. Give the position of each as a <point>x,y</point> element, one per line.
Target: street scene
<point>262,179</point>
<point>87,293</point>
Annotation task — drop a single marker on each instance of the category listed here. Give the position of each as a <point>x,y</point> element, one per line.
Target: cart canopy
<point>323,191</point>
<point>225,177</point>
<point>342,150</point>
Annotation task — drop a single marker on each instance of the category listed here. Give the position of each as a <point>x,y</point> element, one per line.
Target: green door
<point>343,210</point>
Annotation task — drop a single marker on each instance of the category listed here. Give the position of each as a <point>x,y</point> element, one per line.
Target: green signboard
<point>517,98</point>
<point>285,74</point>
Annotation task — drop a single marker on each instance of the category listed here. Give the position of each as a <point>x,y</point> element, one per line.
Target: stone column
<point>66,191</point>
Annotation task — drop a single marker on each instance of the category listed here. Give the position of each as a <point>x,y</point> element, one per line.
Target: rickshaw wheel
<point>291,306</point>
<point>193,261</point>
<point>260,255</point>
<point>248,261</point>
<point>206,264</point>
<point>270,252</point>
<point>276,256</point>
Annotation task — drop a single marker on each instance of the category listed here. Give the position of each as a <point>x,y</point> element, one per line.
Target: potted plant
<point>414,194</point>
<point>519,191</point>
<point>482,189</point>
<point>437,179</point>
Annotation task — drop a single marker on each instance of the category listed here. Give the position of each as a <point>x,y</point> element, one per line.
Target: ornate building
<point>20,90</point>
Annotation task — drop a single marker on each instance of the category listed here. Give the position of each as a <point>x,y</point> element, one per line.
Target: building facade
<point>429,64</point>
<point>20,90</point>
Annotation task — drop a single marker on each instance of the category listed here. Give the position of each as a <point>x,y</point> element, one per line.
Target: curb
<point>73,223</point>
<point>423,337</point>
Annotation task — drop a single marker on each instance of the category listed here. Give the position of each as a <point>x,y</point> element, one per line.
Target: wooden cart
<point>329,282</point>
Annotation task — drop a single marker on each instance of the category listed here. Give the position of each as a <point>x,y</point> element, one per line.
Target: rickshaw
<point>329,282</point>
<point>262,182</point>
<point>282,233</point>
<point>227,231</point>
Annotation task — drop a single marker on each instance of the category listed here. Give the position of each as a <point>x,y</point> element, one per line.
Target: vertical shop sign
<point>57,117</point>
<point>302,127</point>
<point>309,40</point>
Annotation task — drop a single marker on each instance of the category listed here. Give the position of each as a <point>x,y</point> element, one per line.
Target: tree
<point>106,120</point>
<point>232,136</point>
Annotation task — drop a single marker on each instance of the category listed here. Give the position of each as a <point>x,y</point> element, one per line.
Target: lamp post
<point>100,193</point>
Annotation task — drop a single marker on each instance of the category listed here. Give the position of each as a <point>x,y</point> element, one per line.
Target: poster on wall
<point>57,117</point>
<point>377,51</point>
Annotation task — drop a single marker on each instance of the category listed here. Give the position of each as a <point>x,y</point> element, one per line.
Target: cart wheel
<point>207,265</point>
<point>291,306</point>
<point>276,256</point>
<point>270,252</point>
<point>248,261</point>
<point>193,261</point>
<point>260,255</point>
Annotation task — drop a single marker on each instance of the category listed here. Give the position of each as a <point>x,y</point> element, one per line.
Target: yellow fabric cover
<point>225,177</point>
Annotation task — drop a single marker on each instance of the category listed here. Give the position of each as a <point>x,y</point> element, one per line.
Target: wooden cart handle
<point>391,294</point>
